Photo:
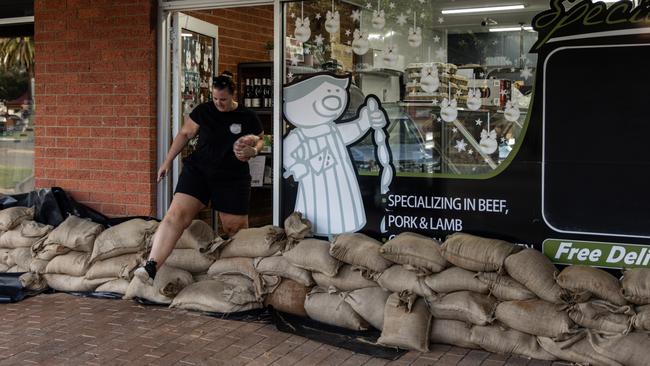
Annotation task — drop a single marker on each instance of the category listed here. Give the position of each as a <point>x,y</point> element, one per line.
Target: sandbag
<point>190,260</point>
<point>17,269</point>
<point>169,281</point>
<point>24,235</point>
<point>131,236</point>
<point>369,303</point>
<point>241,266</point>
<point>359,250</point>
<point>118,286</point>
<point>289,297</point>
<point>629,350</point>
<point>347,279</point>
<point>67,283</point>
<point>49,251</point>
<point>465,306</point>
<point>280,266</point>
<point>75,233</point>
<point>404,326</point>
<point>505,288</point>
<point>475,253</point>
<point>455,279</point>
<point>216,296</point>
<point>33,281</point>
<point>451,332</point>
<point>120,267</point>
<point>399,279</point>
<point>635,285</point>
<point>537,317</point>
<point>255,242</point>
<point>642,319</point>
<point>197,236</point>
<point>576,349</point>
<point>13,216</point>
<point>494,338</point>
<point>22,257</point>
<point>313,255</point>
<point>578,279</point>
<point>38,265</point>
<point>415,250</point>
<point>296,228</point>
<point>6,258</point>
<point>535,271</point>
<point>602,316</point>
<point>73,264</point>
<point>332,309</point>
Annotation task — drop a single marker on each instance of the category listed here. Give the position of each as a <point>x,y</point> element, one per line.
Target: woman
<point>216,172</point>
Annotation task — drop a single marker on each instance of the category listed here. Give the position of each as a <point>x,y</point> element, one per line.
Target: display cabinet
<point>255,91</point>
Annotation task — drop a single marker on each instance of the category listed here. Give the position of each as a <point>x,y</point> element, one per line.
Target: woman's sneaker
<point>146,273</point>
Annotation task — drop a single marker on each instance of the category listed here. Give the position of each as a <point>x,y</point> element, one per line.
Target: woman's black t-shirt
<point>218,132</point>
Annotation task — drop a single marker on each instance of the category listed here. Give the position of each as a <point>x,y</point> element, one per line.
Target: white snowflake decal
<point>423,15</point>
<point>441,53</point>
<point>290,75</point>
<point>319,39</point>
<point>356,15</point>
<point>461,145</point>
<point>318,16</point>
<point>470,152</point>
<point>401,19</point>
<point>526,73</point>
<point>479,122</point>
<point>368,6</point>
<point>348,32</point>
<point>391,5</point>
<point>436,39</point>
<point>293,15</point>
<point>441,20</point>
<point>454,130</point>
<point>294,60</point>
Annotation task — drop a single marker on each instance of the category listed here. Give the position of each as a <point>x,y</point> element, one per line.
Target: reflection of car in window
<point>408,147</point>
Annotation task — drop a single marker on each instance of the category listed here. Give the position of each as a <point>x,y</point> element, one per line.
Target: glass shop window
<point>16,115</point>
<point>455,81</point>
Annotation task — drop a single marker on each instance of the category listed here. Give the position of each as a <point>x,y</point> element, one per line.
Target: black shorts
<point>226,194</point>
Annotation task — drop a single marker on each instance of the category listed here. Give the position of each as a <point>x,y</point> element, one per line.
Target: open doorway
<point>197,43</point>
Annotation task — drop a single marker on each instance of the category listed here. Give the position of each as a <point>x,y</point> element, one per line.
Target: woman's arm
<point>187,132</point>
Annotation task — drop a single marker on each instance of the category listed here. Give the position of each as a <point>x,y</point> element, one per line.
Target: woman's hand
<point>244,147</point>
<point>164,170</point>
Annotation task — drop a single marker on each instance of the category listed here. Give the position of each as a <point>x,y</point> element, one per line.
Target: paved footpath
<point>60,329</point>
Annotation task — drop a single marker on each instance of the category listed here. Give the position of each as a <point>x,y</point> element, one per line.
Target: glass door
<point>194,60</point>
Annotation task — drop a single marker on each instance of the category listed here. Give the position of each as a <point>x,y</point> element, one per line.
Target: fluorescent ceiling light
<point>510,29</point>
<point>186,34</point>
<point>487,9</point>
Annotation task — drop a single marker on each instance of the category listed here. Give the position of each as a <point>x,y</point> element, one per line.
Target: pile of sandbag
<point>468,291</point>
<point>18,232</point>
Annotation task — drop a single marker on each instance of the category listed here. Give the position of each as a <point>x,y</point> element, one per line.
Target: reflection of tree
<point>17,53</point>
<point>13,84</point>
<point>16,56</point>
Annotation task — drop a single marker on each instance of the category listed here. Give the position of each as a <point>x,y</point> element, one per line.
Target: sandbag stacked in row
<point>74,241</point>
<point>232,283</point>
<point>17,234</point>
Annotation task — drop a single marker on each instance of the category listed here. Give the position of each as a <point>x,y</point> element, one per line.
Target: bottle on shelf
<point>248,93</point>
<point>257,95</point>
<point>263,97</point>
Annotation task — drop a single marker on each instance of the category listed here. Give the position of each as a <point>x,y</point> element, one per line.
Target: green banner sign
<point>590,253</point>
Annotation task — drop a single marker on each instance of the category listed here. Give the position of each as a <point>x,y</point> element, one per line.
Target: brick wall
<point>243,34</point>
<point>95,132</point>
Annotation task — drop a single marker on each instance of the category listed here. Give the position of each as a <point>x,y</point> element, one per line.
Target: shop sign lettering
<point>598,254</point>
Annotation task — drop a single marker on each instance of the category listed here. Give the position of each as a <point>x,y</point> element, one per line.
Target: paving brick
<point>60,329</point>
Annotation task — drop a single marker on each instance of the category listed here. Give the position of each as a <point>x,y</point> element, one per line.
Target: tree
<point>17,53</point>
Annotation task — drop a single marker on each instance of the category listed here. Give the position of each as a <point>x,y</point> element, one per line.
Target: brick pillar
<point>95,133</point>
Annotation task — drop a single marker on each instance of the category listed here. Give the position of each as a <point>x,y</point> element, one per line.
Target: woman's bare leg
<point>233,223</point>
<point>180,215</point>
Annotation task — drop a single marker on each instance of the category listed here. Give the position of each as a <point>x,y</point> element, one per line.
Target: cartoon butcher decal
<point>315,152</point>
